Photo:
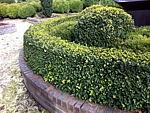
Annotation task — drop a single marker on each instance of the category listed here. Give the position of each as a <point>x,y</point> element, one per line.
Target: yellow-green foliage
<point>26,11</point>
<point>36,5</point>
<point>103,26</point>
<point>117,78</point>
<point>12,10</point>
<point>3,9</point>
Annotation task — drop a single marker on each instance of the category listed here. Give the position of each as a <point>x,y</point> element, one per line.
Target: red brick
<point>66,101</point>
<point>85,107</point>
<point>78,106</point>
<point>93,108</point>
<point>71,104</point>
<point>60,98</point>
<point>116,110</point>
<point>55,95</point>
<point>45,92</point>
<point>101,109</point>
<point>50,94</point>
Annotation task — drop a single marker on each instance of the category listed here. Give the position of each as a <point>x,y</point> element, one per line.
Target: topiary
<point>87,3</point>
<point>76,5</point>
<point>12,10</point>
<point>3,9</point>
<point>61,6</point>
<point>36,5</point>
<point>105,27</point>
<point>47,8</point>
<point>63,30</point>
<point>26,11</point>
<point>90,9</point>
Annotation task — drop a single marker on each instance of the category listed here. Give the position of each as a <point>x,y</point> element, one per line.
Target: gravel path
<point>14,97</point>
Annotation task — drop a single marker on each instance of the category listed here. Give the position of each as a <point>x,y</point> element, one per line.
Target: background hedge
<point>117,78</point>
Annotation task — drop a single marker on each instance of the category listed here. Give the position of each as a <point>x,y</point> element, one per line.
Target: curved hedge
<point>112,77</point>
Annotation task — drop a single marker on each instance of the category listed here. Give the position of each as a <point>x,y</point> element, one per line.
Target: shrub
<point>91,8</point>
<point>87,3</point>
<point>3,9</point>
<point>61,6</point>
<point>117,78</point>
<point>109,3</point>
<point>47,8</point>
<point>36,5</point>
<point>7,1</point>
<point>76,5</point>
<point>106,27</point>
<point>63,30</point>
<point>138,40</point>
<point>26,11</point>
<point>12,10</point>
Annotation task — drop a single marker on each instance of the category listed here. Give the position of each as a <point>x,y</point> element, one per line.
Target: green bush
<point>61,6</point>
<point>87,3</point>
<point>7,1</point>
<point>12,10</point>
<point>117,78</point>
<point>76,5</point>
<point>91,8</point>
<point>109,3</point>
<point>63,30</point>
<point>36,5</point>
<point>138,40</point>
<point>26,11</point>
<point>47,7</point>
<point>3,9</point>
<point>104,27</point>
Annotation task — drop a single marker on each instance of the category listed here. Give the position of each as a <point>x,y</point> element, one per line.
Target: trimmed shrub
<point>47,8</point>
<point>63,30</point>
<point>87,3</point>
<point>138,40</point>
<point>61,6</point>
<point>12,10</point>
<point>7,1</point>
<point>117,78</point>
<point>76,5</point>
<point>104,27</point>
<point>26,11</point>
<point>36,5</point>
<point>111,3</point>
<point>3,9</point>
<point>91,8</point>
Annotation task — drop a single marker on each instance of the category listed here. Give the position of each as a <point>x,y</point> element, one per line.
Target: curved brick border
<point>55,100</point>
<point>7,28</point>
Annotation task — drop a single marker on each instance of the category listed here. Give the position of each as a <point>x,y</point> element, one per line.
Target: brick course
<point>53,99</point>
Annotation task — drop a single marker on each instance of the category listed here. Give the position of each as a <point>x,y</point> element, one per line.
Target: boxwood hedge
<point>112,77</point>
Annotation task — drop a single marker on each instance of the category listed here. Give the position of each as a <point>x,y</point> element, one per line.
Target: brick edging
<point>7,28</point>
<point>53,99</point>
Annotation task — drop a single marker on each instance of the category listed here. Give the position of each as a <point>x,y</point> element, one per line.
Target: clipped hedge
<point>76,5</point>
<point>12,10</point>
<point>61,6</point>
<point>36,5</point>
<point>26,10</point>
<point>117,78</point>
<point>3,9</point>
<point>103,27</point>
<point>138,40</point>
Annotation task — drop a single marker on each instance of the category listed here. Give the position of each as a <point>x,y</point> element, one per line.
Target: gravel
<point>14,97</point>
